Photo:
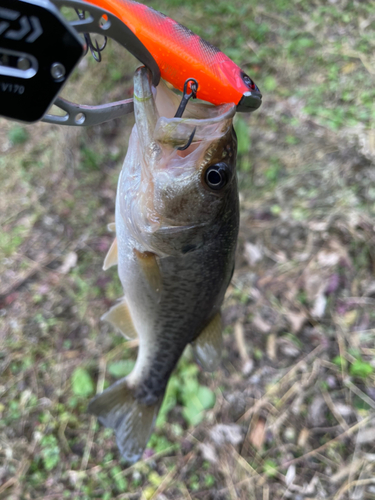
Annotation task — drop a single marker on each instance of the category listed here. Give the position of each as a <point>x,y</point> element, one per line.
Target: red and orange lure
<point>181,54</point>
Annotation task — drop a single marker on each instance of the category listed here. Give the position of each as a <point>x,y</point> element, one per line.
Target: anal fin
<point>207,346</point>
<point>132,421</point>
<point>119,317</point>
<point>111,257</point>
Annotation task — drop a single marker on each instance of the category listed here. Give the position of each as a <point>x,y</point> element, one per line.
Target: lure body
<point>181,54</point>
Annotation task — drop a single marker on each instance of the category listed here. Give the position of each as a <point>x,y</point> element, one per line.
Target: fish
<point>181,54</point>
<point>176,223</point>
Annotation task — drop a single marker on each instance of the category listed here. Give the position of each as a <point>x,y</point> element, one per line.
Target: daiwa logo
<point>28,27</point>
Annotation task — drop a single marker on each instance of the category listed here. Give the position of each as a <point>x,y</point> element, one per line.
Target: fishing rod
<point>39,49</point>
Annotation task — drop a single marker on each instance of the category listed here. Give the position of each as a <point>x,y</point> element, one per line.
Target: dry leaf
<point>271,346</point>
<point>258,434</point>
<point>318,226</point>
<point>70,261</point>
<point>350,468</point>
<point>349,68</point>
<point>288,347</point>
<point>313,284</point>
<point>319,306</point>
<point>252,253</point>
<point>317,410</point>
<point>259,324</point>
<point>365,436</point>
<point>290,475</point>
<point>208,453</point>
<point>303,437</point>
<point>222,433</point>
<point>350,317</point>
<point>328,259</point>
<point>296,320</point>
<point>239,335</point>
<point>343,409</point>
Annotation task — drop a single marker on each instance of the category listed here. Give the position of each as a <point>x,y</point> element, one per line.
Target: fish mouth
<point>168,229</point>
<point>156,121</point>
<point>201,122</point>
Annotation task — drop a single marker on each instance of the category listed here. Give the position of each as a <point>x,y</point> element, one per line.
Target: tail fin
<point>132,421</point>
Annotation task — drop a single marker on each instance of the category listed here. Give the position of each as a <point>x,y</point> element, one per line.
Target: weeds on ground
<point>290,412</point>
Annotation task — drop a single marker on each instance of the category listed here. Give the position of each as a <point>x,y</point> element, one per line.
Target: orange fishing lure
<point>181,54</point>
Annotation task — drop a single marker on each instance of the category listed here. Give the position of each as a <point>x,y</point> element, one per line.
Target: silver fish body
<point>177,221</point>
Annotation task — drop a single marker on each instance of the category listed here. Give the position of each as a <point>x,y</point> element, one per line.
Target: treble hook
<point>185,99</point>
<point>186,96</point>
<point>95,51</point>
<point>182,148</point>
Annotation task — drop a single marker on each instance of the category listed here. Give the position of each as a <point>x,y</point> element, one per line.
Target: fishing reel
<point>39,49</point>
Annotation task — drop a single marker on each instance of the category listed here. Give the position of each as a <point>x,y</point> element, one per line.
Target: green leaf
<point>192,415</point>
<point>50,452</point>
<point>270,468</point>
<point>158,443</point>
<point>18,135</point>
<point>189,390</point>
<point>198,401</point>
<point>360,369</point>
<point>120,482</point>
<point>168,403</point>
<point>361,405</point>
<point>122,368</point>
<point>155,479</point>
<point>82,384</point>
<point>340,362</point>
<point>291,139</point>
<point>209,481</point>
<point>206,397</point>
<point>90,159</point>
<point>269,83</point>
<point>275,209</point>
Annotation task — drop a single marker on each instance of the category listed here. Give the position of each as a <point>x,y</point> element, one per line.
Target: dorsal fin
<point>111,257</point>
<point>119,317</point>
<point>207,346</point>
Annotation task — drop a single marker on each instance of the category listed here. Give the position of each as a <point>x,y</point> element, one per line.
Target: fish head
<point>181,194</point>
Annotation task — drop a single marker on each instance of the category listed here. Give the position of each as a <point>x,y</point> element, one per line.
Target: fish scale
<point>179,306</point>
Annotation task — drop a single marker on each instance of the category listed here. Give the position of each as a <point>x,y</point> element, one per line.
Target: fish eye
<point>217,176</point>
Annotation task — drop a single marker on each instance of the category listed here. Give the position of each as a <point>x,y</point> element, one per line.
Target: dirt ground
<point>290,413</point>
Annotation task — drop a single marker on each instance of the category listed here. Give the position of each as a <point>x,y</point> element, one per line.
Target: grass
<point>290,411</point>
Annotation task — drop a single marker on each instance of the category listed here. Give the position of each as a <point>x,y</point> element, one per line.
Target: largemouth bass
<point>176,221</point>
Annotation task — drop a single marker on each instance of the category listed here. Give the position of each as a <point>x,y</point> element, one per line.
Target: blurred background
<point>290,412</point>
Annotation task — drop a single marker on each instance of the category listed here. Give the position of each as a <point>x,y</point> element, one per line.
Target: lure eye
<point>217,176</point>
<point>249,82</point>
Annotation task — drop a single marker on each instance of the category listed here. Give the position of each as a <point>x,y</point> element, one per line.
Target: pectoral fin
<point>119,317</point>
<point>207,346</point>
<point>150,269</point>
<point>111,257</point>
<point>112,227</point>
